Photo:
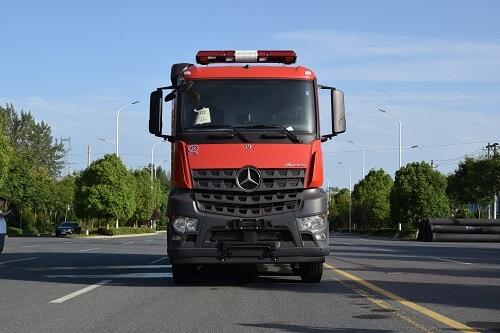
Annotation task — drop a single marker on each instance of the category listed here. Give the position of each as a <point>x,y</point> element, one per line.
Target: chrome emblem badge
<point>248,146</point>
<point>193,150</point>
<point>248,179</point>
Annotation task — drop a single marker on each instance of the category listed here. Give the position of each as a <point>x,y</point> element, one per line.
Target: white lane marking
<point>79,292</point>
<point>27,246</point>
<point>158,260</point>
<point>69,268</point>
<point>68,242</point>
<point>97,248</point>
<point>128,243</point>
<point>385,250</point>
<point>115,276</point>
<point>455,261</point>
<point>489,252</point>
<point>9,261</point>
<point>339,243</point>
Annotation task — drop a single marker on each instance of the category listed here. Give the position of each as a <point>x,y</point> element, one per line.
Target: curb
<point>122,236</point>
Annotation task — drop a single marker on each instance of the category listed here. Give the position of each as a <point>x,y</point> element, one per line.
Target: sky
<point>436,64</point>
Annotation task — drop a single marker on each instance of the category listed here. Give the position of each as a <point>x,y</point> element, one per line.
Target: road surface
<point>369,285</point>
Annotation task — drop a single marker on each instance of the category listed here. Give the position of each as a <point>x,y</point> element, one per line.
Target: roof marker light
<point>283,57</point>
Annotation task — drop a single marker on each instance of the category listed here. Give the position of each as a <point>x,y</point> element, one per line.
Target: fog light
<point>185,224</point>
<point>313,224</point>
<point>320,236</point>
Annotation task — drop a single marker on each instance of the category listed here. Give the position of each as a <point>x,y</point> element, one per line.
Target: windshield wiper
<point>218,128</point>
<point>282,129</point>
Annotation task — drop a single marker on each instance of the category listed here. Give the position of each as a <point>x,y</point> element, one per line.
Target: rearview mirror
<point>338,112</point>
<point>156,112</point>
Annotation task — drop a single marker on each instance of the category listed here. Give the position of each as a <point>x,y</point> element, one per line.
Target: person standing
<point>3,223</point>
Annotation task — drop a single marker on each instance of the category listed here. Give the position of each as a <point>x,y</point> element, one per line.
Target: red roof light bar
<point>286,57</point>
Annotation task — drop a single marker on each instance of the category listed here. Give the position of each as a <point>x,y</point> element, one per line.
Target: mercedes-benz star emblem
<point>248,179</point>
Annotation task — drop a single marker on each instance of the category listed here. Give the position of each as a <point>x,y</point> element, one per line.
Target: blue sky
<point>435,63</point>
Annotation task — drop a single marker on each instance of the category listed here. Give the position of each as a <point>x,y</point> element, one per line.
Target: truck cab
<point>247,166</point>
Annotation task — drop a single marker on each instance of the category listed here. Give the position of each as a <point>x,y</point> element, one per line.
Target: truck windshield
<point>248,104</point>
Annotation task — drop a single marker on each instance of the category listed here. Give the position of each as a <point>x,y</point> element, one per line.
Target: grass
<point>122,231</point>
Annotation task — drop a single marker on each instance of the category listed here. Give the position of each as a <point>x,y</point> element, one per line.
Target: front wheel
<point>311,272</point>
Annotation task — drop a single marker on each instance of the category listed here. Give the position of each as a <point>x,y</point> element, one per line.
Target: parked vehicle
<point>68,228</point>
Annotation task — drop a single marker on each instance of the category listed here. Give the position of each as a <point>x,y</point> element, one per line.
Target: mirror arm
<point>326,87</point>
<point>164,88</point>
<point>327,137</point>
<point>169,138</point>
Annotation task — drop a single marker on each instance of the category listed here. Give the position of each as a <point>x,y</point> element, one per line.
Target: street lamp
<point>118,124</point>
<point>350,199</point>
<point>399,121</point>
<point>363,153</point>
<point>153,157</point>
<point>108,140</point>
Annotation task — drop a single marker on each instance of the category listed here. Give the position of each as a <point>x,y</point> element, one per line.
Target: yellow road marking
<point>383,304</point>
<point>416,307</point>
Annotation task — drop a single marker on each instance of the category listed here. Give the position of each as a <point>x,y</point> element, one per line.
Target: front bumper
<point>226,239</point>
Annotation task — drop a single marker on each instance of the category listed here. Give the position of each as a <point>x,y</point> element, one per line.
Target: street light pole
<point>153,158</point>
<point>118,124</point>
<point>363,153</point>
<point>399,121</point>
<point>350,199</point>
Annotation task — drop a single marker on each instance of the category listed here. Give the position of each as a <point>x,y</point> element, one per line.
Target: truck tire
<point>311,272</point>
<point>182,274</point>
<point>2,242</point>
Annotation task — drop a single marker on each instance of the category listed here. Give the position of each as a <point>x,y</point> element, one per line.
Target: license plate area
<point>247,224</point>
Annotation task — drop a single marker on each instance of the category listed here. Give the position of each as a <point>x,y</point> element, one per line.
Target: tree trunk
<point>495,202</point>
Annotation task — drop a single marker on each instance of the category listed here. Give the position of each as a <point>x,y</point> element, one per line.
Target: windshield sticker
<point>202,116</point>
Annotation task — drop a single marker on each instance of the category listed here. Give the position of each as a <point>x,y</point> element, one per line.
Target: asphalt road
<point>369,285</point>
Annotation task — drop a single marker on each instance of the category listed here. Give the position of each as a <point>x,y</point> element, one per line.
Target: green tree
<point>64,195</point>
<point>475,181</point>
<point>418,192</point>
<point>5,154</point>
<point>464,186</point>
<point>145,196</point>
<point>341,209</point>
<point>372,195</point>
<point>105,190</point>
<point>161,203</point>
<point>32,140</point>
<point>18,188</point>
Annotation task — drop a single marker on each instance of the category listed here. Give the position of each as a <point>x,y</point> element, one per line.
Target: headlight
<point>182,224</point>
<point>313,224</point>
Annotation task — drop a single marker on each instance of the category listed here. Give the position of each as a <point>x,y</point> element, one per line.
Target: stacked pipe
<point>459,230</point>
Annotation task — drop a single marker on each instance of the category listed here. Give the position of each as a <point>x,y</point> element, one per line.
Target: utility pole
<point>67,148</point>
<point>88,156</point>
<point>493,147</point>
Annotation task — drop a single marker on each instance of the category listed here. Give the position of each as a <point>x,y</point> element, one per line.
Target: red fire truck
<point>247,165</point>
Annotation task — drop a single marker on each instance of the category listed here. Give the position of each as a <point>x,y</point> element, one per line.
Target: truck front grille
<point>280,191</point>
